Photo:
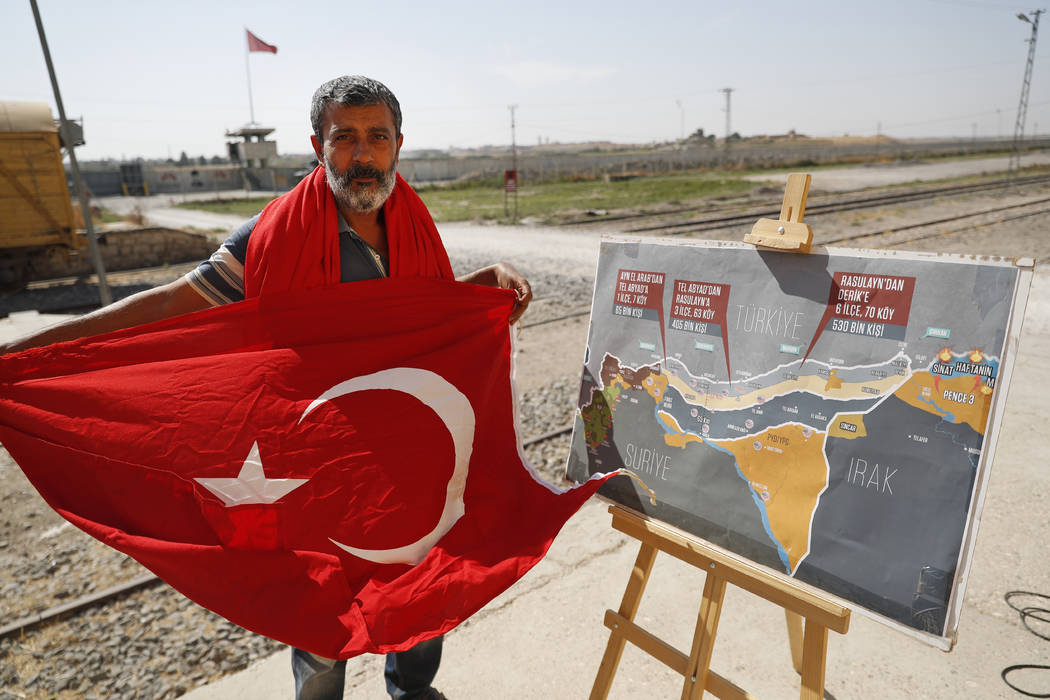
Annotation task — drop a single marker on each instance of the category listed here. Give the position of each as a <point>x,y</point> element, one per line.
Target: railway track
<point>722,217</point>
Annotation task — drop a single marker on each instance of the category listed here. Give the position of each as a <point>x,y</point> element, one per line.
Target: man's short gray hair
<point>352,91</point>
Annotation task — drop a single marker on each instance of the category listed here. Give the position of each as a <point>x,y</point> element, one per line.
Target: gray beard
<point>361,200</point>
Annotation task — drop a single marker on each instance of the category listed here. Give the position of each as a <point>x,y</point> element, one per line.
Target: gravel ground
<point>156,644</point>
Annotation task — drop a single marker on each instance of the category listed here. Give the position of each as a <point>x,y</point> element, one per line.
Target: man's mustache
<point>356,172</point>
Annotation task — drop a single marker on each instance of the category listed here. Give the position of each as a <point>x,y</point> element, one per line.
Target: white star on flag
<point>251,485</point>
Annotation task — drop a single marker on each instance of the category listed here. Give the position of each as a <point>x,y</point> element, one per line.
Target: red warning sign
<point>640,294</point>
<point>700,307</point>
<point>875,306</point>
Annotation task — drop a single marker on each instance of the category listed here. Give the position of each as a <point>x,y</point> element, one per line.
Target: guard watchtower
<point>248,152</point>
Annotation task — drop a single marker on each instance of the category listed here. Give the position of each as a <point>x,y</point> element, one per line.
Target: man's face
<point>359,151</point>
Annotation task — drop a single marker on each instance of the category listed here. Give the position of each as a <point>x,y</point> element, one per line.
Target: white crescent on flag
<point>455,411</point>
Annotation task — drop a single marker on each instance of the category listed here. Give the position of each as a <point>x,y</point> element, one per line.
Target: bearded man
<point>353,218</point>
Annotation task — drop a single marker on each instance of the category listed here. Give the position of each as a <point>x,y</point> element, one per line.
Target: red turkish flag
<point>338,469</point>
<point>257,44</point>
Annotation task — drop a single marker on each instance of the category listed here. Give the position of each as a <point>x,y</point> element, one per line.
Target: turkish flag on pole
<point>257,44</point>
<point>338,469</point>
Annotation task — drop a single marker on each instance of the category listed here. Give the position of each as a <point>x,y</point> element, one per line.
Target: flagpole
<point>248,67</point>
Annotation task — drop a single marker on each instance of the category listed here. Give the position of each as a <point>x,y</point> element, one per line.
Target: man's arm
<point>503,276</point>
<point>172,299</point>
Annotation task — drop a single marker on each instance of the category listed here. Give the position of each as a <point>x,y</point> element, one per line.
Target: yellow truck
<point>36,213</point>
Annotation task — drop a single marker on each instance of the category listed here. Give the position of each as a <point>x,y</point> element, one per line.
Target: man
<point>352,219</point>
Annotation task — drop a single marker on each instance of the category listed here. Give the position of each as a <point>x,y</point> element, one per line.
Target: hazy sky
<point>151,78</point>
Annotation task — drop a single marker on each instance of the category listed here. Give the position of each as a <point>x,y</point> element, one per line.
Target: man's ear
<point>318,148</point>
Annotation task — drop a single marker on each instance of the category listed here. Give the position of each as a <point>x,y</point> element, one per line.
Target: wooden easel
<point>809,646</point>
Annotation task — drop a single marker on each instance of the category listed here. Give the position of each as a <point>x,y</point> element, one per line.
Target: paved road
<point>160,210</point>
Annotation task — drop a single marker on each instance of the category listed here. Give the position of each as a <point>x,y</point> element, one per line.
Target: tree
<point>700,136</point>
<point>184,159</point>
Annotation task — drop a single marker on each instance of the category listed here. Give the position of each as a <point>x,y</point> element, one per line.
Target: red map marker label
<point>700,307</point>
<point>872,306</point>
<point>640,294</point>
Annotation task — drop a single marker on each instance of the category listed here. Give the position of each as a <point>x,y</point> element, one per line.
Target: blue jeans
<point>408,673</point>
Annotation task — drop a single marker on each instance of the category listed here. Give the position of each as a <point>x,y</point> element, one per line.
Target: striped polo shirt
<point>220,278</point>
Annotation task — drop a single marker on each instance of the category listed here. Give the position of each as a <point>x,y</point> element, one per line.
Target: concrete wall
<point>200,178</point>
<point>176,179</point>
<point>738,155</point>
<point>128,250</point>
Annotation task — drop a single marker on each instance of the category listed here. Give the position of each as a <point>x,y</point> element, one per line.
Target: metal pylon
<point>1022,107</point>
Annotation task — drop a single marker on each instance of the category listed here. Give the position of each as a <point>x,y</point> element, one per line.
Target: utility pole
<point>514,165</point>
<point>78,182</point>
<point>728,92</point>
<point>1022,107</point>
<point>681,117</point>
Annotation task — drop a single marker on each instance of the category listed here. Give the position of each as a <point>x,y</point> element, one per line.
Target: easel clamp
<point>788,232</point>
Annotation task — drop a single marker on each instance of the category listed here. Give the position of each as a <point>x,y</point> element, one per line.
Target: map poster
<point>830,415</point>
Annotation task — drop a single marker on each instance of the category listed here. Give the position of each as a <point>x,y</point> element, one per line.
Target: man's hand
<point>503,276</point>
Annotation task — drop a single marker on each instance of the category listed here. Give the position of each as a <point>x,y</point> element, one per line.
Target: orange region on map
<point>814,384</point>
<point>786,468</point>
<point>953,395</point>
<point>656,386</point>
<point>836,429</point>
<point>833,381</point>
<point>679,438</point>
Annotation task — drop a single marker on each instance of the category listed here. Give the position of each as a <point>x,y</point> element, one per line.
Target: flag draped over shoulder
<point>338,469</point>
<point>295,242</point>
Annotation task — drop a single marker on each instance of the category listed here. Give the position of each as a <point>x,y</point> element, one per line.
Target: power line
<point>973,3</point>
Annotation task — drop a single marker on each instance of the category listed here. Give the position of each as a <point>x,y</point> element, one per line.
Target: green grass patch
<point>546,201</point>
<point>101,215</point>
<point>561,200</point>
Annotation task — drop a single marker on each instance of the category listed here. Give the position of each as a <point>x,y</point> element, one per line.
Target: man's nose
<point>363,152</point>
